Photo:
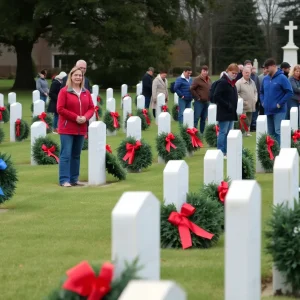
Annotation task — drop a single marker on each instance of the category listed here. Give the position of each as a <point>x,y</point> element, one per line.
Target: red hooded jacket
<point>69,107</point>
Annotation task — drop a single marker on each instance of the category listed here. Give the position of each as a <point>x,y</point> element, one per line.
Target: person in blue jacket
<point>182,89</point>
<point>274,93</point>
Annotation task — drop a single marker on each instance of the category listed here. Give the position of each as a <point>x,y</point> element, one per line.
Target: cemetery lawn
<point>48,229</point>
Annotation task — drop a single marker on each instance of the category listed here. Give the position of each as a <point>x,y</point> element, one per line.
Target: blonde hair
<point>69,81</point>
<point>233,67</point>
<point>297,67</point>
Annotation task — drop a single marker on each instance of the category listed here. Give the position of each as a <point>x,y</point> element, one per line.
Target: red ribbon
<point>170,137</point>
<point>98,99</point>
<point>196,142</point>
<point>115,116</point>
<point>108,149</point>
<point>42,117</point>
<point>185,225</point>
<point>50,152</point>
<point>2,108</point>
<point>217,128</point>
<point>296,136</point>
<point>130,148</point>
<point>145,113</point>
<point>270,144</point>
<point>96,108</point>
<point>223,190</point>
<point>177,108</point>
<point>243,123</point>
<point>164,108</point>
<point>18,125</point>
<point>83,281</point>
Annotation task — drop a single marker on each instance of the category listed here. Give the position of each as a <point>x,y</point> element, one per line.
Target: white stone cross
<point>38,129</point>
<point>213,166</point>
<point>140,102</point>
<point>134,127</point>
<point>234,154</point>
<point>176,183</point>
<point>136,233</point>
<point>291,29</point>
<point>38,107</point>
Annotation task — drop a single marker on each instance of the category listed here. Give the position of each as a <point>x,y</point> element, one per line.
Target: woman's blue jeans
<point>224,128</point>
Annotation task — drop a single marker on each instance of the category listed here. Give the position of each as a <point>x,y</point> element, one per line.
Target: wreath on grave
<point>170,146</point>
<point>8,178</point>
<point>113,165</point>
<point>295,140</point>
<point>211,133</point>
<point>164,108</point>
<point>7,107</point>
<point>98,111</point>
<point>99,100</point>
<point>45,151</point>
<point>85,145</point>
<point>2,135</point>
<point>175,112</point>
<point>85,281</point>
<point>267,150</point>
<point>46,118</point>
<point>21,130</point>
<point>145,117</point>
<point>135,155</point>
<point>4,114</point>
<point>191,137</point>
<point>248,168</point>
<point>112,121</point>
<point>242,124</point>
<point>201,223</point>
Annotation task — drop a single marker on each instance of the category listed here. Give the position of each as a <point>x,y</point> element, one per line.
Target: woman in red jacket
<point>75,107</point>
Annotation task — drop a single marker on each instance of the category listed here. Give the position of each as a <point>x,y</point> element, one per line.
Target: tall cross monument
<point>290,51</point>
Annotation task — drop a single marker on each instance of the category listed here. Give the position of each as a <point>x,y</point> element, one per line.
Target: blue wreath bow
<point>3,164</point>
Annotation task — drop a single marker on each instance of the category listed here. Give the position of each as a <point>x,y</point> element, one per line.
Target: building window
<point>65,62</point>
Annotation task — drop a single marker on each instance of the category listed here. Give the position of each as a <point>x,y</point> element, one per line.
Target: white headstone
<point>127,109</point>
<point>188,117</point>
<point>95,89</point>
<point>213,166</point>
<point>140,102</point>
<point>109,93</point>
<point>242,255</point>
<point>12,98</point>
<point>294,118</point>
<point>124,91</point>
<point>38,129</point>
<point>152,290</point>
<point>161,100</point>
<point>138,89</point>
<point>134,127</point>
<point>97,153</point>
<point>240,106</point>
<point>234,154</point>
<point>164,123</point>
<point>285,134</point>
<point>136,233</point>
<point>15,113</point>
<point>1,100</point>
<point>255,64</point>
<point>175,99</point>
<point>176,183</point>
<point>285,190</point>
<point>38,107</point>
<point>93,118</point>
<point>212,114</point>
<point>261,128</point>
<point>36,95</point>
<point>111,105</point>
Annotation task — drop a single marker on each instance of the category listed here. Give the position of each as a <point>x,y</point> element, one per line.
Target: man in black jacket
<point>147,86</point>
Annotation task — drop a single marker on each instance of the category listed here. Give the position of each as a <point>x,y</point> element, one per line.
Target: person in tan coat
<point>246,89</point>
<point>159,85</point>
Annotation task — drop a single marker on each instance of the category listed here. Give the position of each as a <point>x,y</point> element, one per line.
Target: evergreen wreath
<point>47,118</point>
<point>117,285</point>
<point>21,129</point>
<point>8,177</point>
<point>210,135</point>
<point>263,154</point>
<point>145,118</point>
<point>177,151</point>
<point>209,216</point>
<point>164,108</point>
<point>114,167</point>
<point>2,135</point>
<point>248,168</point>
<point>45,151</point>
<point>175,110</point>
<point>4,114</point>
<point>99,100</point>
<point>128,115</point>
<point>295,140</point>
<point>98,111</point>
<point>142,154</point>
<point>85,145</point>
<point>7,107</point>
<point>192,144</point>
<point>109,121</point>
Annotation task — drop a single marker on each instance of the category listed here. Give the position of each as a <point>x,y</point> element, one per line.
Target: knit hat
<point>285,65</point>
<point>61,75</point>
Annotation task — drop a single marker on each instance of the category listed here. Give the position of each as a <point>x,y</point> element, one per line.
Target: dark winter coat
<point>86,83</point>
<point>147,85</point>
<point>296,88</point>
<point>53,95</point>
<point>226,98</point>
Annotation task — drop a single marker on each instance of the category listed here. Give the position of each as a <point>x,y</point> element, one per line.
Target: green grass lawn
<point>49,229</point>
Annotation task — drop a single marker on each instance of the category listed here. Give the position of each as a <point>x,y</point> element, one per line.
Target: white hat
<point>61,75</point>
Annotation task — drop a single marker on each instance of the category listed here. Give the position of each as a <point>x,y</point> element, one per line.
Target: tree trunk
<point>25,73</point>
<point>194,62</point>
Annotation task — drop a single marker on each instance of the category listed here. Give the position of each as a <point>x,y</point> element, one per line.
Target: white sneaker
<point>248,134</point>
<point>225,156</point>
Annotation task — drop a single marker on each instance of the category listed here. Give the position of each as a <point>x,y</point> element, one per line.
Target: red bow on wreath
<point>217,129</point>
<point>130,148</point>
<point>115,116</point>
<point>270,143</point>
<point>127,95</point>
<point>196,142</point>
<point>42,117</point>
<point>2,108</point>
<point>96,108</point>
<point>170,137</point>
<point>185,225</point>
<point>98,99</point>
<point>164,108</point>
<point>108,149</point>
<point>223,190</point>
<point>243,123</point>
<point>177,108</point>
<point>296,136</point>
<point>145,113</point>
<point>50,152</point>
<point>83,281</point>
<point>18,127</point>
